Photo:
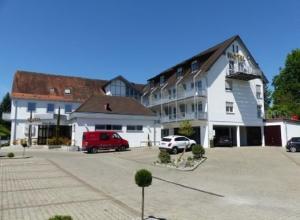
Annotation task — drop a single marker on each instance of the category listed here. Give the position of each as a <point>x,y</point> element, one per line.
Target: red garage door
<point>273,135</point>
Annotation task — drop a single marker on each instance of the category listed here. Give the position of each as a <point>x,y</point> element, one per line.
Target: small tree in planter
<point>143,178</point>
<point>198,151</point>
<point>164,156</point>
<point>185,129</point>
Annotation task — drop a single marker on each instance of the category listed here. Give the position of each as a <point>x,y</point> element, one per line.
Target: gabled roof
<point>206,60</point>
<point>136,86</point>
<point>41,86</point>
<point>117,105</point>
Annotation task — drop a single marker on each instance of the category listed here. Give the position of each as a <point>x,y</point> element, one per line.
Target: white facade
<point>83,122</point>
<point>202,98</point>
<point>20,115</point>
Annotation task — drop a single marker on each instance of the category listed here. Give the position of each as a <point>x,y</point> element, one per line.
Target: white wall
<point>20,115</point>
<point>133,137</point>
<point>243,95</point>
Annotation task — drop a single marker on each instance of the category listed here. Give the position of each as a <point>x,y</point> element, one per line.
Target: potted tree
<point>143,178</point>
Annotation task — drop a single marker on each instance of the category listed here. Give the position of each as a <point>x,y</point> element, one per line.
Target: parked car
<point>293,145</point>
<point>223,141</point>
<point>174,143</point>
<point>93,141</point>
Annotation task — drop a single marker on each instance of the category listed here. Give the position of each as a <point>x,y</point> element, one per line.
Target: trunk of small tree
<point>143,195</point>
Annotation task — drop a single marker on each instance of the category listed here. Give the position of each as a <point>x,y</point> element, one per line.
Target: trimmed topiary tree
<point>198,151</point>
<point>11,155</point>
<point>143,178</point>
<point>164,156</point>
<point>61,217</point>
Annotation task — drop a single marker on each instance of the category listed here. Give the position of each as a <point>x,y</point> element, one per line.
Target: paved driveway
<point>233,183</point>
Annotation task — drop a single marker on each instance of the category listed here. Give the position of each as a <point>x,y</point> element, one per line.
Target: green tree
<point>5,106</point>
<point>267,97</point>
<point>186,129</point>
<point>143,178</point>
<point>286,95</point>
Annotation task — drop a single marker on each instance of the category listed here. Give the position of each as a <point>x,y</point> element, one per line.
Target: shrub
<point>198,151</point>
<point>60,141</point>
<point>10,155</point>
<point>61,217</point>
<point>164,157</point>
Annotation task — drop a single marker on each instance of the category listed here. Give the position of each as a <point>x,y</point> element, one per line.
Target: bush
<point>143,178</point>
<point>198,151</point>
<point>60,141</point>
<point>164,157</point>
<point>10,155</point>
<point>61,217</point>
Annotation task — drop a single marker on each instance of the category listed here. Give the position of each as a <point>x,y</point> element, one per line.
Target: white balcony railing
<point>243,69</point>
<point>6,116</point>
<point>180,95</point>
<point>184,116</point>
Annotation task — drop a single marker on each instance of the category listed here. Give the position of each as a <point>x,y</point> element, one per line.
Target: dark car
<point>223,141</point>
<point>293,145</point>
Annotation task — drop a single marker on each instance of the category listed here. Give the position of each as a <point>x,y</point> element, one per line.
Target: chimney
<point>107,107</point>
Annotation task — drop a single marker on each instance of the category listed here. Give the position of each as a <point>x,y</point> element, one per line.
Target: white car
<point>174,143</point>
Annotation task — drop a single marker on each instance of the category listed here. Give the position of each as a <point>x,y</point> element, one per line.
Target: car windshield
<point>166,139</point>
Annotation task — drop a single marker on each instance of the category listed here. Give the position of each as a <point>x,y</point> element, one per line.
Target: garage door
<point>273,135</point>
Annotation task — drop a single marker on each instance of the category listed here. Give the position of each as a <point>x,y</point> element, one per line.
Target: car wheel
<point>174,150</point>
<point>123,148</point>
<point>94,150</point>
<point>293,149</point>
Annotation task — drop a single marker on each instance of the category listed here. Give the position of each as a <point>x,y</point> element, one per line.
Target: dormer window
<point>67,91</point>
<point>162,79</point>
<point>179,72</point>
<point>51,90</point>
<point>195,66</point>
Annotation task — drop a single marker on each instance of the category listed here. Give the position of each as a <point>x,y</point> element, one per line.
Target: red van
<point>92,141</point>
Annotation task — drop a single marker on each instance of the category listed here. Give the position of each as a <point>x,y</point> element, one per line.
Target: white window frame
<point>229,107</point>
<point>258,91</point>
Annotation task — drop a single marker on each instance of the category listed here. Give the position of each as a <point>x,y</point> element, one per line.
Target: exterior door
<point>273,135</point>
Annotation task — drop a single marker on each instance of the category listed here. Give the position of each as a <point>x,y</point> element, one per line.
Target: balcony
<point>243,73</point>
<point>184,116</point>
<point>180,95</point>
<point>6,116</point>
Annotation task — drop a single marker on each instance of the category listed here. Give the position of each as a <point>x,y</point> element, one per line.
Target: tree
<point>186,129</point>
<point>267,97</point>
<point>5,106</point>
<point>286,95</point>
<point>143,178</point>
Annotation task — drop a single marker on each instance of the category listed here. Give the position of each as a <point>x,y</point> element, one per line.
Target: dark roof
<point>32,85</point>
<point>117,105</point>
<point>206,60</point>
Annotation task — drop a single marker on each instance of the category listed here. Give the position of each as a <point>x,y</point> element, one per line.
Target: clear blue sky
<point>137,38</point>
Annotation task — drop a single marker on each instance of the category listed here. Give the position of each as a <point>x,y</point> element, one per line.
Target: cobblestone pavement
<point>38,189</point>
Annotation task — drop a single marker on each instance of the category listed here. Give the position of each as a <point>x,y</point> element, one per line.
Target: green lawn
<point>4,131</point>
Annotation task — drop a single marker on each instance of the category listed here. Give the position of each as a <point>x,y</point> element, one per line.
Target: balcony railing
<point>243,73</point>
<point>6,116</point>
<point>180,95</point>
<point>184,116</point>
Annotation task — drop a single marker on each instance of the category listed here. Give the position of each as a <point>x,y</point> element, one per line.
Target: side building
<point>38,99</point>
<point>220,91</point>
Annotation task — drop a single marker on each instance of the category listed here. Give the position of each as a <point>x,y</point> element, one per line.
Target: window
<point>228,85</point>
<point>50,107</point>
<point>184,86</point>
<point>258,91</point>
<point>199,85</point>
<point>174,93</point>
<point>229,107</point>
<point>193,107</point>
<point>51,90</point>
<point>237,48</point>
<point>104,136</point>
<point>164,133</point>
<point>192,85</point>
<point>67,91</point>
<point>259,111</point>
<point>200,107</point>
<point>116,136</point>
<point>134,127</point>
<point>233,48</point>
<point>180,139</point>
<point>162,80</point>
<point>31,107</point>
<point>241,67</point>
<point>68,108</point>
<point>108,127</point>
<point>231,66</point>
<point>194,66</point>
<point>170,93</point>
<point>179,72</point>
